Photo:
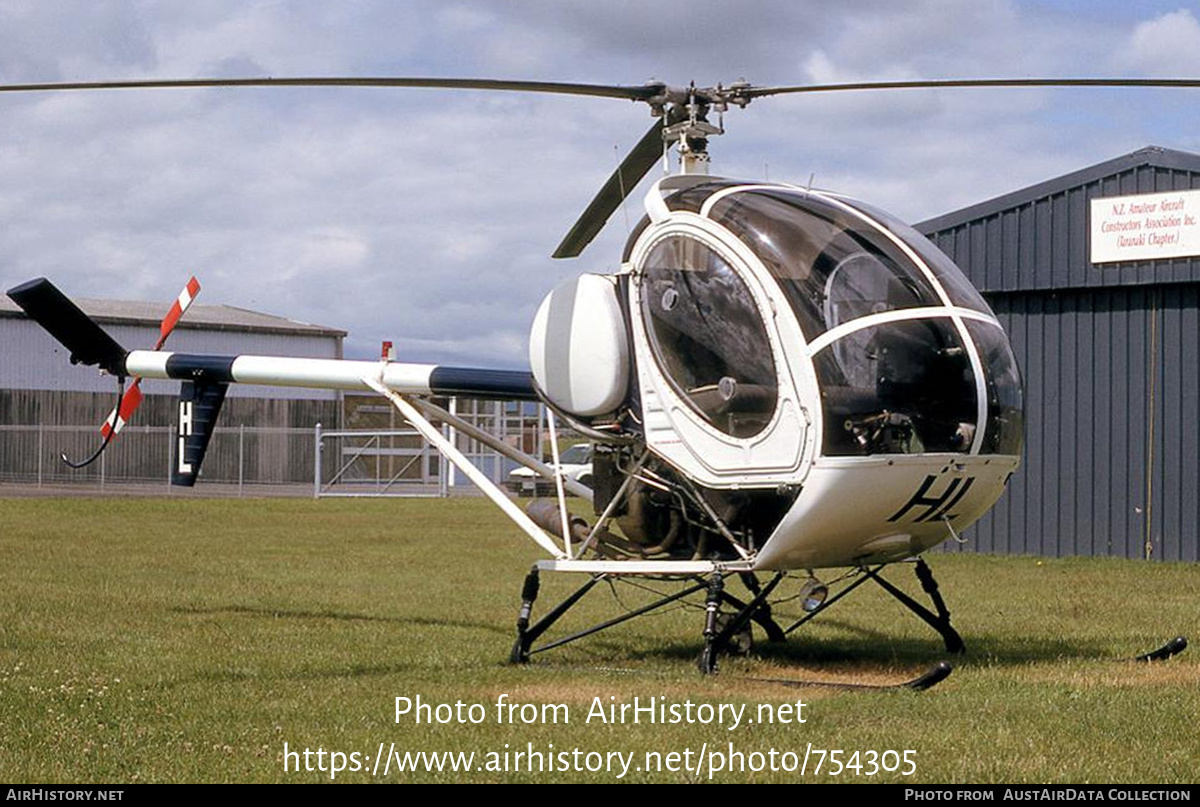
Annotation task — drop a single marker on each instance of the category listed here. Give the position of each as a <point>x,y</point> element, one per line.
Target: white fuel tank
<point>578,349</point>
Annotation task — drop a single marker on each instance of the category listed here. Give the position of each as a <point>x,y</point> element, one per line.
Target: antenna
<point>624,192</point>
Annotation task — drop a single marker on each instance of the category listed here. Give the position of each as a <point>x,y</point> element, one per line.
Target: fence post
<point>241,457</point>
<point>443,473</point>
<point>40,450</point>
<point>317,462</point>
<point>450,468</point>
<point>498,433</point>
<point>425,462</point>
<point>540,441</point>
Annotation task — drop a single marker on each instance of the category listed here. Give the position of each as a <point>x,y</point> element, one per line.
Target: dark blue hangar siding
<point>1110,355</point>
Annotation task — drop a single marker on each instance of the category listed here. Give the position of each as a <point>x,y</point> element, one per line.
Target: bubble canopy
<point>908,357</point>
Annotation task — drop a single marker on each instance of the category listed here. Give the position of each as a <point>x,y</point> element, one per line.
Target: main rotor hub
<point>718,97</point>
<point>686,123</point>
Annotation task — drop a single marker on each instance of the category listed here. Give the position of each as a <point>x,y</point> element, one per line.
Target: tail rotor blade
<point>119,417</point>
<point>181,305</point>
<point>133,396</point>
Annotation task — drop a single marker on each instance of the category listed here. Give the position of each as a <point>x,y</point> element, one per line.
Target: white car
<point>576,464</point>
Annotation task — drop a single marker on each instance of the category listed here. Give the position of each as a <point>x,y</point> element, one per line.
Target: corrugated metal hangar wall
<point>1110,355</point>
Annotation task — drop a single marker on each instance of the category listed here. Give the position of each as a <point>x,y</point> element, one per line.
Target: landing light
<point>813,594</point>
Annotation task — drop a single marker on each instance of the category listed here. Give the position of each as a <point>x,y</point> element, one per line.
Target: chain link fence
<point>238,455</point>
<point>388,462</point>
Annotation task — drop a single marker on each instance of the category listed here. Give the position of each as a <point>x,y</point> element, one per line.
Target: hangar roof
<point>198,316</point>
<point>1037,237</point>
<point>1154,156</point>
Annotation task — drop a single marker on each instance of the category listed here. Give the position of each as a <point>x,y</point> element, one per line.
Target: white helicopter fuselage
<point>789,340</point>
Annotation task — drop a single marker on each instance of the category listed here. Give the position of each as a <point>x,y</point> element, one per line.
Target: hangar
<point>1107,337</point>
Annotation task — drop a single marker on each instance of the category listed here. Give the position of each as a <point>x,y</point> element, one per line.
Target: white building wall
<point>31,359</point>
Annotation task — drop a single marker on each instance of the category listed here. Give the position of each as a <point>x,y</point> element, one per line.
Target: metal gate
<point>399,462</point>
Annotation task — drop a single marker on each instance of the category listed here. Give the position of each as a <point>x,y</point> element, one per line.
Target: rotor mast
<point>691,131</point>
<point>686,124</point>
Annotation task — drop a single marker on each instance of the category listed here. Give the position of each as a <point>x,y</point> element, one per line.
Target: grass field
<point>186,641</point>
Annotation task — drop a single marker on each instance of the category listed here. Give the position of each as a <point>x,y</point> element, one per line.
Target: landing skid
<point>1171,648</point>
<point>930,678</point>
<point>723,630</point>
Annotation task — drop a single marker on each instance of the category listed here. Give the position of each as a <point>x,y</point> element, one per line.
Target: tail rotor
<point>90,344</point>
<point>133,396</point>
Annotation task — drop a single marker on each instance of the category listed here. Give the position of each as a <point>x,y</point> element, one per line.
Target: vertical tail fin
<point>199,404</point>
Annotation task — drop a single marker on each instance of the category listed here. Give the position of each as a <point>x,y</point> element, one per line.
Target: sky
<point>427,217</point>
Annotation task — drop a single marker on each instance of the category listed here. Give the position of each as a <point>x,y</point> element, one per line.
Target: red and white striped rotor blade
<point>181,304</point>
<point>133,396</point>
<point>129,402</point>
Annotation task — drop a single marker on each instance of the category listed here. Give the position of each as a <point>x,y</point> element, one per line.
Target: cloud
<point>64,40</point>
<point>428,217</point>
<point>1167,45</point>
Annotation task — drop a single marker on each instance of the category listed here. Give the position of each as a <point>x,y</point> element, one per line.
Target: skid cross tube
<point>762,614</point>
<point>939,621</point>
<point>618,620</point>
<point>820,608</point>
<point>522,650</point>
<point>748,611</point>
<point>527,636</point>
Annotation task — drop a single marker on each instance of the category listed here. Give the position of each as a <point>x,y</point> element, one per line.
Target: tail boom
<point>404,378</point>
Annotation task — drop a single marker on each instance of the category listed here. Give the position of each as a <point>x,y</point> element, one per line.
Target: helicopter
<point>779,381</point>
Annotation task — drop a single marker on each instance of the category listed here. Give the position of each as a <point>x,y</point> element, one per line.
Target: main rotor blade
<point>759,92</point>
<point>644,92</point>
<point>628,174</point>
<point>633,93</point>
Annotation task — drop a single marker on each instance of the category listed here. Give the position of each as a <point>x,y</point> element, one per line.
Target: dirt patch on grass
<point>1118,674</point>
<point>759,682</point>
<point>621,690</point>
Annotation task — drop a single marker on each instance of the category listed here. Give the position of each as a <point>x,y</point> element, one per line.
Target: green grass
<point>164,641</point>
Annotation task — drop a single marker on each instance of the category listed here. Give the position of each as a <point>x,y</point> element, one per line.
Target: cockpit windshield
<point>957,287</point>
<point>832,266</point>
<point>908,357</point>
<point>903,387</point>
